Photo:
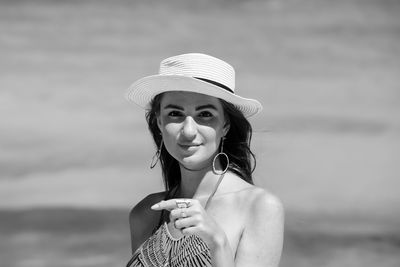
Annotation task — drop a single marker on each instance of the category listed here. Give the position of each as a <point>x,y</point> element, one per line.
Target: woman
<point>211,214</point>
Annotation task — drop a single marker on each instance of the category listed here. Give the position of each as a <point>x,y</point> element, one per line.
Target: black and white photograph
<point>200,133</point>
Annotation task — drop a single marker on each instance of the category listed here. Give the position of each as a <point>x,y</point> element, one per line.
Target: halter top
<point>162,249</point>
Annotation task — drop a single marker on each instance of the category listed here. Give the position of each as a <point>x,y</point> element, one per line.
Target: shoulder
<point>142,208</point>
<point>250,197</point>
<point>257,198</point>
<point>264,204</point>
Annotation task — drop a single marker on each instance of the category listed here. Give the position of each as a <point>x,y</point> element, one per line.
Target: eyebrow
<point>210,106</point>
<point>171,106</point>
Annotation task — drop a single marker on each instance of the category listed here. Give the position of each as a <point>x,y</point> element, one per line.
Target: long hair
<point>237,141</point>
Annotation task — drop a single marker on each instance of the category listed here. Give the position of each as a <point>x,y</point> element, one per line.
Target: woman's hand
<point>190,218</point>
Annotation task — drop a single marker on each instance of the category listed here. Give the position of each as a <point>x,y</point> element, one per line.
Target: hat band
<point>217,84</point>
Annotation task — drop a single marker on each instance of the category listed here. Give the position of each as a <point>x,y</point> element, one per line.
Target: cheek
<point>170,133</point>
<point>164,125</point>
<point>170,129</point>
<point>212,137</point>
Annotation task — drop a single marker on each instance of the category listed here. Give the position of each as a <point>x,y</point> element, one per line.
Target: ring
<point>183,214</point>
<point>181,204</point>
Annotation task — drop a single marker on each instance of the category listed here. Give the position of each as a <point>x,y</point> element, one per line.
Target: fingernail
<point>155,206</point>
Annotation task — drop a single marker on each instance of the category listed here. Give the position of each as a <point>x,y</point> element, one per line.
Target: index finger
<point>171,204</point>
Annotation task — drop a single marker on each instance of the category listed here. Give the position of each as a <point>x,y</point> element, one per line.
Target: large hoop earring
<point>156,156</point>
<point>221,153</point>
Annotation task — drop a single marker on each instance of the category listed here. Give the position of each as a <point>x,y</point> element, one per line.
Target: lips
<point>187,146</point>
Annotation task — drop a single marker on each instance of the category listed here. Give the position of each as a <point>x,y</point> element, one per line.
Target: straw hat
<point>192,72</point>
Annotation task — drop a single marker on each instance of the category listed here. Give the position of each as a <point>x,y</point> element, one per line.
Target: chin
<point>194,163</point>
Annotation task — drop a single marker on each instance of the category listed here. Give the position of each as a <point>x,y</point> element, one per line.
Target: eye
<point>174,113</point>
<point>206,114</point>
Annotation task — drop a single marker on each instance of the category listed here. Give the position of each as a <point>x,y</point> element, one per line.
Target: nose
<point>189,128</point>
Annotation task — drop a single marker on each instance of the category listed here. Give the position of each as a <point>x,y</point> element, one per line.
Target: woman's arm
<point>262,239</point>
<point>221,253</point>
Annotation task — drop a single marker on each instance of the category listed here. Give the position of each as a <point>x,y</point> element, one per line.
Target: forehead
<point>189,99</point>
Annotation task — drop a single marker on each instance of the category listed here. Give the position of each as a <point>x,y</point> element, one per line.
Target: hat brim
<point>144,90</point>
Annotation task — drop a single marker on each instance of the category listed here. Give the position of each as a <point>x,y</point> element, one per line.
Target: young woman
<point>210,214</point>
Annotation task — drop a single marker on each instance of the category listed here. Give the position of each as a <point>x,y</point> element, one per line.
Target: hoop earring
<point>221,153</point>
<point>156,156</point>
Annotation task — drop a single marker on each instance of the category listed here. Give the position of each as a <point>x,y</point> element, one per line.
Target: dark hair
<point>237,141</point>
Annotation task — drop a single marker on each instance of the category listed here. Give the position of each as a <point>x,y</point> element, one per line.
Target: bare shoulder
<point>252,198</point>
<point>263,198</point>
<point>263,204</point>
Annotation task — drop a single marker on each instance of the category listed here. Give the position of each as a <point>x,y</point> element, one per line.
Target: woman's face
<point>192,126</point>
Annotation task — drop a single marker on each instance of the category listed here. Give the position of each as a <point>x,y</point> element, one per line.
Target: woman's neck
<point>197,183</point>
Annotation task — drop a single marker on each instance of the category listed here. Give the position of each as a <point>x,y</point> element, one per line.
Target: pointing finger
<point>171,204</point>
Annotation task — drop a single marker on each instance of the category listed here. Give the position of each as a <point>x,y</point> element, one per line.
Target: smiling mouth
<point>187,146</point>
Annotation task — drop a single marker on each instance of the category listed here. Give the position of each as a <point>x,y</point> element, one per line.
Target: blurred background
<point>74,154</point>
